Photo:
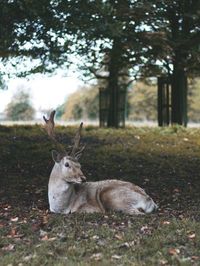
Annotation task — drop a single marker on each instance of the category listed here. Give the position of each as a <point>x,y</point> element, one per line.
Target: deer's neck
<point>60,193</point>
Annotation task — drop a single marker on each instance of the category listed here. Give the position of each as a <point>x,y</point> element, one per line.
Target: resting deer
<point>69,192</point>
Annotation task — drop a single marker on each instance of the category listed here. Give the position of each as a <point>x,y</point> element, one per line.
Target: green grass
<point>165,162</point>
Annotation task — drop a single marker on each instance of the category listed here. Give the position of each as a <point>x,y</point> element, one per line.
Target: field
<point>165,162</point>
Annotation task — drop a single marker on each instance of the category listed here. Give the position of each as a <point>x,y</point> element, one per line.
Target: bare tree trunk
<point>179,97</point>
<point>113,84</point>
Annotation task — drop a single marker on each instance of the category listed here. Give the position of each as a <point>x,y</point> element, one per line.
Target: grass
<point>165,162</point>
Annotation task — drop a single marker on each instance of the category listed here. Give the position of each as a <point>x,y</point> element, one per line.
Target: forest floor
<point>165,162</point>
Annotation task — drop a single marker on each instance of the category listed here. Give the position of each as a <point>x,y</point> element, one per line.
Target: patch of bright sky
<point>46,92</point>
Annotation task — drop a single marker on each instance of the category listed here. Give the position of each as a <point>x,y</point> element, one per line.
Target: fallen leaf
<point>192,236</point>
<point>176,190</point>
<point>12,233</point>
<point>95,237</point>
<point>125,245</point>
<point>165,222</point>
<point>163,262</point>
<point>118,236</point>
<point>144,228</point>
<point>29,257</point>
<point>116,257</point>
<point>15,219</point>
<point>45,238</point>
<point>45,219</point>
<point>52,239</point>
<point>96,256</point>
<point>174,251</point>
<point>9,247</point>
<point>195,257</point>
<point>43,233</point>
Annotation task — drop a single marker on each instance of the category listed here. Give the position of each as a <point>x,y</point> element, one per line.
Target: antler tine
<point>49,127</point>
<point>76,141</point>
<point>80,151</point>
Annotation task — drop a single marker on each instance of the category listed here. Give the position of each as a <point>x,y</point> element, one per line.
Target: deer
<point>69,192</point>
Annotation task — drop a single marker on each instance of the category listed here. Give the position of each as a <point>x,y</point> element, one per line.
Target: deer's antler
<point>76,150</point>
<point>49,127</point>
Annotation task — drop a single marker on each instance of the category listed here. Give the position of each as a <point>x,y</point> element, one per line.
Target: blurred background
<point>109,63</point>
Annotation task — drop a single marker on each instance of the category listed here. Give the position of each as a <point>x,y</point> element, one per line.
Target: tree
<point>29,32</point>
<point>142,101</point>
<point>175,50</point>
<point>107,29</point>
<point>83,103</point>
<point>48,31</point>
<point>194,100</point>
<point>20,107</point>
<point>143,37</point>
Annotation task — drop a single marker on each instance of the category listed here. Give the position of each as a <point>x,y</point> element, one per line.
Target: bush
<point>20,107</point>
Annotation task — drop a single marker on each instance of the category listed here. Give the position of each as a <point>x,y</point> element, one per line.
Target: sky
<point>46,92</point>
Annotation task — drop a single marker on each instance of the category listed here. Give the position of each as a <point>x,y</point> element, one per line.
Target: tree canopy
<point>144,38</point>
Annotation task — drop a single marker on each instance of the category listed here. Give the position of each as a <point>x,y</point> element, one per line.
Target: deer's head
<point>66,163</point>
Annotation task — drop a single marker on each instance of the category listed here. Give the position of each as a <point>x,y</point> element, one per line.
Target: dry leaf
<point>174,251</point>
<point>15,219</point>
<point>125,245</point>
<point>195,257</point>
<point>144,228</point>
<point>96,256</point>
<point>116,257</point>
<point>163,262</point>
<point>9,247</point>
<point>45,238</point>
<point>192,236</point>
<point>165,222</point>
<point>176,190</point>
<point>119,237</point>
<point>95,237</point>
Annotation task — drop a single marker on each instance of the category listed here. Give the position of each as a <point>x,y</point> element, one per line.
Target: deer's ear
<point>56,156</point>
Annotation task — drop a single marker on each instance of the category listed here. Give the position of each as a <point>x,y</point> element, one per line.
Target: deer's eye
<point>66,164</point>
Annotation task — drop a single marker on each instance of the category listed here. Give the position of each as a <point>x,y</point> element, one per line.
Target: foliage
<point>142,102</point>
<point>83,104</point>
<point>165,162</point>
<point>148,34</point>
<point>29,36</point>
<point>194,100</point>
<point>146,38</point>
<point>20,107</point>
<point>59,111</point>
<point>174,36</point>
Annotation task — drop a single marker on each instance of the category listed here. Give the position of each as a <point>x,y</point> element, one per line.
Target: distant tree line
<point>84,103</point>
<point>141,103</point>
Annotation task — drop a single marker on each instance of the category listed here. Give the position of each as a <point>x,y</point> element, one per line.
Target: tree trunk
<point>179,97</point>
<point>113,85</point>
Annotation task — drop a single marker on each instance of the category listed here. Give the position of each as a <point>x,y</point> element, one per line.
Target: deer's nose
<point>83,178</point>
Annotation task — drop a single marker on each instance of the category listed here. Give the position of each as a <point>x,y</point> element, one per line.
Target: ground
<point>165,162</point>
